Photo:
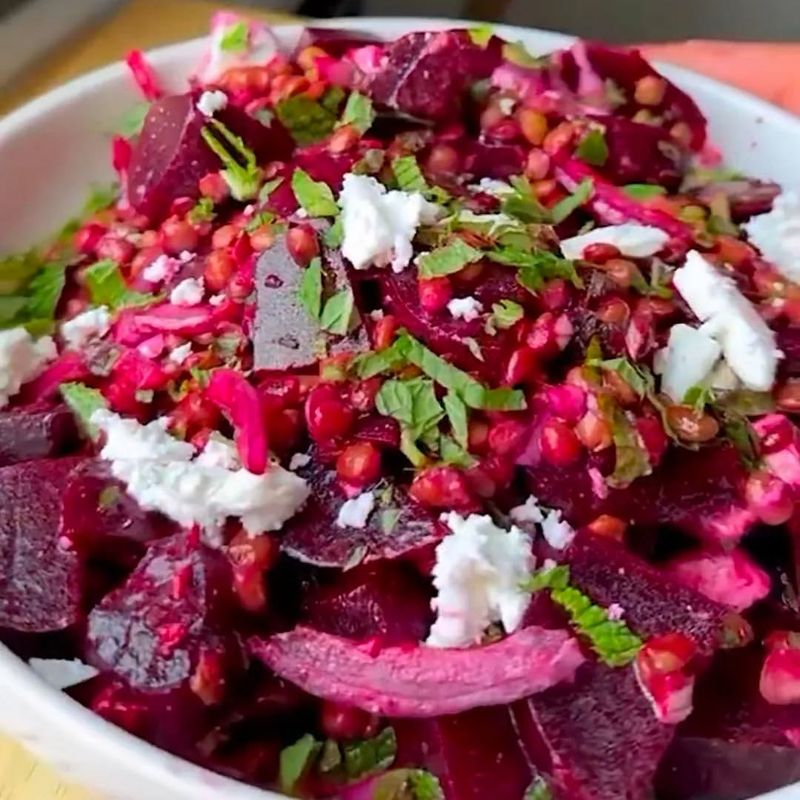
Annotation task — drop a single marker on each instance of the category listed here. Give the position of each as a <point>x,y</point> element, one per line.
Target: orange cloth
<point>768,70</point>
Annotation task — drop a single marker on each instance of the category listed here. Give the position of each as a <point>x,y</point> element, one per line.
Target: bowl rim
<point>103,738</point>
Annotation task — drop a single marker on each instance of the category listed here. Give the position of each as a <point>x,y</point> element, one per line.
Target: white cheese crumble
<point>258,46</point>
<point>529,511</point>
<point>83,328</point>
<point>217,299</point>
<point>632,240</point>
<point>466,308</point>
<point>22,358</point>
<point>160,269</point>
<point>188,292</point>
<point>558,533</point>
<point>212,101</point>
<point>299,460</point>
<point>686,361</point>
<point>179,354</point>
<point>378,226</point>
<point>62,674</point>
<point>219,451</point>
<point>494,187</point>
<point>777,234</point>
<point>161,475</point>
<point>355,512</point>
<point>747,343</point>
<point>506,105</point>
<point>478,575</point>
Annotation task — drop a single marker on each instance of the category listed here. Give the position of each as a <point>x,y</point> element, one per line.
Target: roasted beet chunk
<point>40,580</point>
<point>169,628</point>
<point>35,432</point>
<point>475,755</point>
<point>597,739</point>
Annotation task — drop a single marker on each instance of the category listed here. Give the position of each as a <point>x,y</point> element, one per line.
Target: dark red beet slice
<point>475,754</point>
<point>170,156</point>
<point>169,627</point>
<point>598,739</point>
<point>313,536</point>
<point>40,580</point>
<point>103,521</point>
<point>388,600</point>
<point>420,681</point>
<point>35,432</point>
<point>487,160</point>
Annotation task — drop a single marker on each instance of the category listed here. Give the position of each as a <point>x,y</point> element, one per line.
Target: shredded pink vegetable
<point>143,74</point>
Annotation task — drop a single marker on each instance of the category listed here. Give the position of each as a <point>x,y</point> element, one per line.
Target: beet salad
<point>415,420</point>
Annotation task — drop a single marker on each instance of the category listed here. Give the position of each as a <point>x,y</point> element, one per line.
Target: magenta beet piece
<point>488,160</point>
<point>169,627</point>
<point>387,600</point>
<point>103,521</point>
<point>420,681</point>
<point>425,74</point>
<point>40,580</point>
<point>34,432</point>
<point>69,366</point>
<point>475,754</point>
<point>396,527</point>
<point>597,739</point>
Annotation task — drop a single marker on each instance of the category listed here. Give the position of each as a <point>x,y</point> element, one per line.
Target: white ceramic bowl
<point>50,152</point>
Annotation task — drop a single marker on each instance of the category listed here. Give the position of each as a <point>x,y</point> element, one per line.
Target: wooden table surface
<point>142,24</point>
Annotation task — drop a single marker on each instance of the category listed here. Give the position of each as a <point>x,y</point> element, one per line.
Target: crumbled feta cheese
<point>22,358</point>
<point>160,475</point>
<point>258,46</point>
<point>494,187</point>
<point>632,239</point>
<point>557,532</point>
<point>301,213</point>
<point>378,226</point>
<point>529,511</point>
<point>217,299</point>
<point>376,315</point>
<point>181,353</point>
<point>478,576</point>
<point>355,512</point>
<point>506,105</point>
<point>299,460</point>
<point>777,234</point>
<point>686,361</point>
<point>62,674</point>
<point>212,101</point>
<point>188,292</point>
<point>615,611</point>
<point>219,452</point>
<point>185,256</point>
<point>748,344</point>
<point>160,269</point>
<point>83,328</point>
<point>466,308</point>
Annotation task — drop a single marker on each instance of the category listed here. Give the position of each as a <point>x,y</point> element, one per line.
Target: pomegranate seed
<point>614,311</point>
<point>542,337</point>
<point>594,432</point>
<point>262,238</point>
<point>621,271</point>
<point>600,252</point>
<point>555,295</point>
<point>384,331</point>
<point>620,389</point>
<point>606,525</point>
<point>667,653</point>
<point>560,446</point>
<point>218,270</point>
<point>533,125</point>
<point>442,487</point>
<point>121,153</point>
<point>566,401</point>
<point>88,238</point>
<point>193,413</point>
<point>478,437</point>
<point>499,468</point>
<point>537,165</point>
<point>443,159</point>
<point>780,676</point>
<point>115,248</point>
<point>359,464</point>
<point>343,139</point>
<point>434,294</point>
<point>223,237</point>
<point>178,235</point>
<point>507,437</point>
<point>559,138</point>
<point>769,497</point>
<point>787,397</point>
<point>363,394</point>
<point>650,90</point>
<point>491,117</point>
<point>302,243</point>
<point>691,425</point>
<point>480,482</point>
<point>341,722</point>
<point>328,417</point>
<point>181,206</point>
<point>214,186</point>
<point>285,430</point>
<point>655,440</point>
<point>523,366</point>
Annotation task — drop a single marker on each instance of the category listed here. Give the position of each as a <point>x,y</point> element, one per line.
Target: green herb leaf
<point>412,403</point>
<point>369,756</point>
<point>457,415</point>
<point>745,402</point>
<point>481,35</point>
<point>17,269</point>
<point>244,179</point>
<point>334,236</point>
<point>337,312</point>
<point>408,175</point>
<point>453,453</point>
<point>506,314</point>
<point>522,203</point>
<point>644,191</point>
<point>296,760</point>
<point>451,258</point>
<point>132,121</point>
<point>564,208</point>
<point>638,381</point>
<point>539,790</point>
<point>315,197</point>
<point>407,784</point>
<point>371,163</point>
<point>10,307</point>
<point>698,397</point>
<point>203,211</point>
<point>739,432</point>
<point>268,188</point>
<point>389,517</point>
<point>259,220</point>
<point>332,99</point>
<point>358,112</point>
<point>83,401</point>
<point>536,266</point>
<point>593,148</point>
<point>367,365</point>
<point>330,759</point>
<point>107,287</point>
<point>235,38</point>
<point>310,290</point>
<point>613,641</point>
<point>44,291</point>
<point>517,53</point>
<point>306,120</point>
<point>631,460</point>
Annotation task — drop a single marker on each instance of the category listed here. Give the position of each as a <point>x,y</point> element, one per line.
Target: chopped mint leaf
<point>17,269</point>
<point>358,112</point>
<point>310,290</point>
<point>644,191</point>
<point>259,220</point>
<point>296,760</point>
<point>337,312</point>
<point>698,397</point>
<point>330,759</point>
<point>451,258</point>
<point>522,203</point>
<point>638,380</point>
<point>110,495</point>
<point>235,38</point>
<point>412,403</point>
<point>739,432</point>
<point>107,287</point>
<point>457,415</point>
<point>332,99</point>
<point>453,453</point>
<point>367,365</point>
<point>745,402</point>
<point>203,211</point>
<point>315,197</point>
<point>306,120</point>
<point>334,236</point>
<point>244,180</point>
<point>593,148</point>
<point>563,208</point>
<point>481,35</point>
<point>407,784</point>
<point>631,459</point>
<point>539,790</point>
<point>83,401</point>
<point>613,641</point>
<point>518,54</point>
<point>268,188</point>
<point>389,517</point>
<point>536,266</point>
<point>44,291</point>
<point>10,307</point>
<point>474,347</point>
<point>371,162</point>
<point>132,121</point>
<point>408,175</point>
<point>506,314</point>
<point>368,756</point>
